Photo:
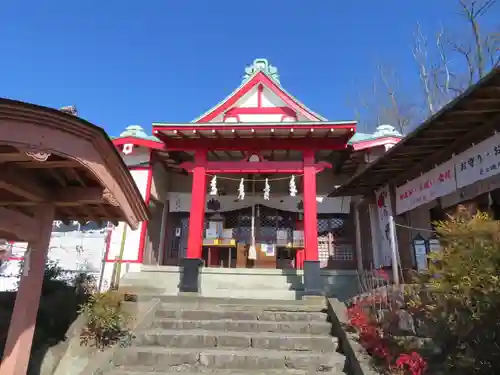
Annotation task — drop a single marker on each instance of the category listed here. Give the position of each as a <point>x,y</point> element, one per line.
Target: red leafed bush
<point>413,363</point>
<point>379,343</point>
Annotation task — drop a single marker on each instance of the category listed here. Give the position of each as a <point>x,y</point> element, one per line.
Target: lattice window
<point>271,220</point>
<point>334,239</point>
<point>241,223</point>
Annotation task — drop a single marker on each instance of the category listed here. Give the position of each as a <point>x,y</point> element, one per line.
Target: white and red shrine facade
<point>246,185</point>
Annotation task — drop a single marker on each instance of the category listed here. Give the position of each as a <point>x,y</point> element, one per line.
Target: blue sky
<point>129,62</point>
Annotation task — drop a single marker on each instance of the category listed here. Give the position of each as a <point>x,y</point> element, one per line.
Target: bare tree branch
<point>420,54</point>
<point>472,10</point>
<point>445,68</point>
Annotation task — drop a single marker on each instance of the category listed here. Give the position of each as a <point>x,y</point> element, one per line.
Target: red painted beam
<point>155,145</point>
<point>244,144</point>
<point>264,167</point>
<point>158,129</point>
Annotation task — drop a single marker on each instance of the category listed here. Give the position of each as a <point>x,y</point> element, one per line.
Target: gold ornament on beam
<point>109,197</point>
<point>38,155</point>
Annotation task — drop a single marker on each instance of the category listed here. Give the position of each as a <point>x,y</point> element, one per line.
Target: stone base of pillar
<point>190,275</point>
<point>313,282</point>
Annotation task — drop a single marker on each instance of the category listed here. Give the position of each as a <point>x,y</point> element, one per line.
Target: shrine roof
<point>136,135</point>
<point>469,119</point>
<point>261,130</point>
<point>259,72</point>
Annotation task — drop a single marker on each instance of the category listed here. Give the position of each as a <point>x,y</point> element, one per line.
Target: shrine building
<point>243,189</point>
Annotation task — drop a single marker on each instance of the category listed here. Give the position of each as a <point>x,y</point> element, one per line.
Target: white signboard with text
<point>436,183</point>
<point>478,162</point>
<point>384,209</point>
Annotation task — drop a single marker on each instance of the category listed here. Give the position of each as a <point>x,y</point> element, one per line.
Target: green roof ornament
<point>134,131</point>
<point>386,131</point>
<point>262,65</point>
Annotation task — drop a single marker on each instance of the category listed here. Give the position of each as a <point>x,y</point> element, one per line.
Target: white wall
<point>74,251</point>
<point>132,237</point>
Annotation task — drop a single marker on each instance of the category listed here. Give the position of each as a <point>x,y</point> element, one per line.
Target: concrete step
<point>196,370</point>
<point>278,294</point>
<point>246,282</point>
<point>172,312</point>
<point>163,359</point>
<point>221,278</point>
<point>200,339</point>
<point>313,305</point>
<point>144,290</point>
<point>313,328</point>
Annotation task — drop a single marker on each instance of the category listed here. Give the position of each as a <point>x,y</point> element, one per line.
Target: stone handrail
<point>358,360</point>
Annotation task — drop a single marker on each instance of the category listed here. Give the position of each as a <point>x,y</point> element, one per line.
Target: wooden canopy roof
<point>469,119</point>
<point>48,156</point>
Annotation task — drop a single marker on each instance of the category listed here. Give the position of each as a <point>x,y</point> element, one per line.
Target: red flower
<point>382,273</point>
<point>412,362</point>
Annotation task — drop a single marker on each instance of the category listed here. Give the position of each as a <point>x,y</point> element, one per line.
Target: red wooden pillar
<point>313,283</point>
<point>190,266</point>
<point>198,197</point>
<point>310,208</point>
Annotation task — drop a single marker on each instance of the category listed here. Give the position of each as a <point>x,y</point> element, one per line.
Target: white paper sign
<point>420,254</point>
<point>478,162</point>
<point>384,209</point>
<point>436,183</point>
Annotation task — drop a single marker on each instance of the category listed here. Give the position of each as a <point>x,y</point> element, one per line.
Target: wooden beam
<point>20,225</point>
<point>73,174</point>
<point>253,144</point>
<point>487,100</point>
<point>262,167</point>
<point>473,112</point>
<point>49,164</point>
<point>76,196</point>
<point>18,183</point>
<point>13,157</point>
<point>474,134</point>
<point>66,197</point>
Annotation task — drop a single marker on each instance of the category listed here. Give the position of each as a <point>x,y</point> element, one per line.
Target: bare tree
<point>384,103</point>
<point>472,10</point>
<point>395,112</point>
<point>479,53</point>
<point>433,68</point>
<point>447,64</point>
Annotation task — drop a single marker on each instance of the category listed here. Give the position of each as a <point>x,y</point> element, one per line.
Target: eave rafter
<point>31,192</point>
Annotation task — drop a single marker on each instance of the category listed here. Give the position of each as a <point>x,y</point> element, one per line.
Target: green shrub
<point>460,294</point>
<point>106,320</point>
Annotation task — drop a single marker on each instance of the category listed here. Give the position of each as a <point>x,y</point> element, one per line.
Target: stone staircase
<point>197,335</point>
<point>220,282</point>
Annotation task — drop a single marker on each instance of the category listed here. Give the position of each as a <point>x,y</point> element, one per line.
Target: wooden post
<point>190,277</point>
<point>197,215</point>
<point>22,325</point>
<point>359,249</point>
<point>313,283</point>
<point>310,208</point>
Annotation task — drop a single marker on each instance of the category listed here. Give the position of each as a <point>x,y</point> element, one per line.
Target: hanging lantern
<point>267,190</point>
<point>293,187</point>
<point>213,186</point>
<point>241,190</point>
